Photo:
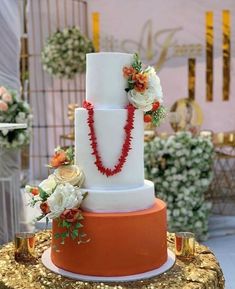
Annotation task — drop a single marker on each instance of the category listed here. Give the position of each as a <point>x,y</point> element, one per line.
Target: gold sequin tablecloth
<point>203,272</point>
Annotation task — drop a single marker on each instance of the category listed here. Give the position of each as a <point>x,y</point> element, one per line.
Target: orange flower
<point>128,71</point>
<point>35,191</point>
<point>141,81</point>
<point>45,208</point>
<point>58,159</point>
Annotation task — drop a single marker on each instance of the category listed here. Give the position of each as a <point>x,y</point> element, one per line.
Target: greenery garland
<point>14,110</point>
<point>181,169</point>
<point>64,53</point>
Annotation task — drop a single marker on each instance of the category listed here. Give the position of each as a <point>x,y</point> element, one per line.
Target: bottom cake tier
<point>120,243</point>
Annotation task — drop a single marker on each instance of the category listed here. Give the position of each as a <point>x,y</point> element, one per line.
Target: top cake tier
<point>105,84</point>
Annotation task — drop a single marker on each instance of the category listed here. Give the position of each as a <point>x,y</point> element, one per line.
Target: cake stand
<point>46,260</point>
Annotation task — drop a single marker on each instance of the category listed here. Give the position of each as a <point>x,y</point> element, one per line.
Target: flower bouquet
<point>14,110</point>
<point>144,91</point>
<point>59,196</point>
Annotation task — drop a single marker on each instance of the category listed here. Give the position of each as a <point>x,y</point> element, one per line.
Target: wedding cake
<point>125,225</point>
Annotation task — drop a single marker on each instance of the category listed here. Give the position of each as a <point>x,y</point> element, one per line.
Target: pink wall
<point>149,26</point>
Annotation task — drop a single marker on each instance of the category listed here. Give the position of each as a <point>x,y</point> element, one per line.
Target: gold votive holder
<point>231,137</point>
<point>220,137</point>
<point>25,247</point>
<point>184,245</point>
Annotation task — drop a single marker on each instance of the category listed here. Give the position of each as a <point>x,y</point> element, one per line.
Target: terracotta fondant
<point>120,244</point>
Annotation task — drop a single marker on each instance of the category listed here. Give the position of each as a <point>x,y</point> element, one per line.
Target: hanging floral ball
<point>64,53</point>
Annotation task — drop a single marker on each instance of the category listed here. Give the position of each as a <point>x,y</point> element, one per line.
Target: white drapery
<point>10,44</point>
<point>9,159</point>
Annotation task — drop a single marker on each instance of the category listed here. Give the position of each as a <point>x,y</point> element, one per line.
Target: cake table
<point>201,273</point>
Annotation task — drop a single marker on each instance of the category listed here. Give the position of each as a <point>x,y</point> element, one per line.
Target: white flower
<point>71,174</point>
<point>21,138</point>
<point>5,131</point>
<point>28,189</point>
<point>48,185</point>
<point>64,197</point>
<point>141,101</point>
<point>154,85</point>
<point>21,117</point>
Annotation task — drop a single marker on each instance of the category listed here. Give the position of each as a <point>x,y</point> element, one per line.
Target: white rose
<point>64,197</point>
<point>141,101</point>
<point>154,84</point>
<point>48,185</point>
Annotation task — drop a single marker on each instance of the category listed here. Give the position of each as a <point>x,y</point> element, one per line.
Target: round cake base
<point>46,260</point>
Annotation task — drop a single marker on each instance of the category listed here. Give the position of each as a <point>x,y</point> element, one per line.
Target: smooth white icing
<point>109,127</point>
<point>113,201</point>
<point>105,84</point>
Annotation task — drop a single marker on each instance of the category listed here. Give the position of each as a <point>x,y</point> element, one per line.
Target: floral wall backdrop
<point>181,169</point>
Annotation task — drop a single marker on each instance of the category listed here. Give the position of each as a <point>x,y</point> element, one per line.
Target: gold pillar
<point>96,30</point>
<point>209,55</point>
<point>226,30</point>
<point>191,78</point>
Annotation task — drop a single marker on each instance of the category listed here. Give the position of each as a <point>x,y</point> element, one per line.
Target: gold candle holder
<point>25,247</point>
<point>184,245</point>
<point>220,137</point>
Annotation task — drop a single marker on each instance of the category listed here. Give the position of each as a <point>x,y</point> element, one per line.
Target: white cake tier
<point>117,201</point>
<point>105,84</point>
<point>109,128</point>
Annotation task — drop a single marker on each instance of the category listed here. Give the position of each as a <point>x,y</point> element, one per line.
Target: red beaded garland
<point>126,145</point>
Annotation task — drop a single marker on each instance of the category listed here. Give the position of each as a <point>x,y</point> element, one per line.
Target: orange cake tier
<point>120,243</point>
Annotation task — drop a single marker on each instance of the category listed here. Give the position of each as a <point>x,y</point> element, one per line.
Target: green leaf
<point>78,225</point>
<point>43,195</point>
<point>74,234</point>
<point>66,224</point>
<point>57,235</point>
<point>84,195</point>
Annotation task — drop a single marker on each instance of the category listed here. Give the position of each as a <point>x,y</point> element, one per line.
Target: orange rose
<point>45,208</point>
<point>35,191</point>
<point>128,71</point>
<point>71,215</point>
<point>141,82</point>
<point>58,159</point>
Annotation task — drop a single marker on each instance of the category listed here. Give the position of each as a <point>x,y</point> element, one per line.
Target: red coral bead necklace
<point>126,147</point>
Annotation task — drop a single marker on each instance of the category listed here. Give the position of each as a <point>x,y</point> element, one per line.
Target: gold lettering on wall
<point>226,46</point>
<point>96,30</point>
<point>191,78</point>
<point>209,55</point>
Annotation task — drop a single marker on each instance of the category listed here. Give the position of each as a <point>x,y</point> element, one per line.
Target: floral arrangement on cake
<point>181,168</point>
<point>64,53</point>
<point>14,110</point>
<point>59,196</point>
<point>144,91</point>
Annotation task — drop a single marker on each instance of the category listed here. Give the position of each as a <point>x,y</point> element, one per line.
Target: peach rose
<point>7,97</point>
<point>3,90</point>
<point>3,106</point>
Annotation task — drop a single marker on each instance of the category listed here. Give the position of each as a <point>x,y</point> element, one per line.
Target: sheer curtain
<point>10,43</point>
<point>9,159</point>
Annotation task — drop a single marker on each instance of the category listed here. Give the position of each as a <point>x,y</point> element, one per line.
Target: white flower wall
<point>181,168</point>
